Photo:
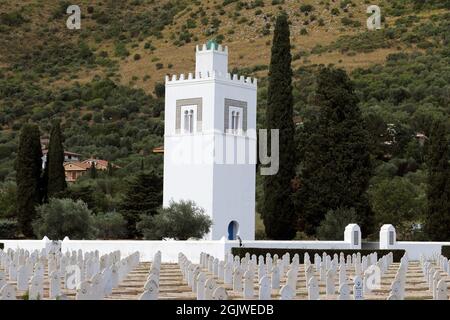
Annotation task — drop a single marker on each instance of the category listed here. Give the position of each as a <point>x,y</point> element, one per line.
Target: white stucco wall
<point>192,249</point>
<point>415,249</point>
<point>170,249</point>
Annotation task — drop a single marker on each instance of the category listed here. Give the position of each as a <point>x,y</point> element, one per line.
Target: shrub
<point>8,229</point>
<point>12,19</point>
<point>64,217</point>
<point>335,11</point>
<point>306,8</point>
<point>335,222</point>
<point>160,89</point>
<point>181,220</point>
<point>445,251</point>
<point>137,56</point>
<point>120,50</point>
<point>110,225</point>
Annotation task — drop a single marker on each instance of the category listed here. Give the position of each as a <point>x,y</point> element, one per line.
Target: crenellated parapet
<point>219,48</point>
<point>198,76</point>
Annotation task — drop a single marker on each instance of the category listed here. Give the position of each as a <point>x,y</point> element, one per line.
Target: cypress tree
<point>143,196</point>
<point>93,171</point>
<point>278,209</point>
<point>110,169</point>
<point>28,167</point>
<point>336,163</point>
<point>437,220</point>
<point>56,179</point>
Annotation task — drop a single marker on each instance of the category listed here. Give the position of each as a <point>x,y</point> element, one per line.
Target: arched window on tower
<point>237,126</point>
<point>191,121</point>
<point>186,121</point>
<point>233,121</point>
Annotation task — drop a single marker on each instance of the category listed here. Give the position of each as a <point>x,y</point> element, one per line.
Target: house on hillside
<point>68,156</point>
<point>75,169</point>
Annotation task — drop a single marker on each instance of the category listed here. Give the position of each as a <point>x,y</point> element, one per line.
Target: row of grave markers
<point>151,286</point>
<point>240,274</point>
<point>93,277</point>
<point>432,271</point>
<point>205,287</point>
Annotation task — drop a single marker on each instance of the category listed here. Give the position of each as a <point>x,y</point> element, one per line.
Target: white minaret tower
<point>210,143</point>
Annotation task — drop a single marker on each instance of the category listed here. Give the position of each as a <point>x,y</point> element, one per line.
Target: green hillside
<point>105,81</point>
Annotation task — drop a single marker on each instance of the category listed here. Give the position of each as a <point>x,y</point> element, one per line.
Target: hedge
<point>8,229</point>
<point>398,254</point>
<point>445,251</point>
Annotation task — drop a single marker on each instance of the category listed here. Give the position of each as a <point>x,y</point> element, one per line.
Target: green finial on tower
<point>212,43</point>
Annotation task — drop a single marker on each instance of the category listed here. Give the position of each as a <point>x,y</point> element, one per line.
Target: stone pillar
<point>352,235</point>
<point>388,237</point>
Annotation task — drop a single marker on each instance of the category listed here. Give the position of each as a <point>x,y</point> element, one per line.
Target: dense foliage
<point>180,220</point>
<point>28,177</point>
<point>54,176</point>
<point>278,209</point>
<point>438,193</point>
<point>335,158</point>
<point>64,217</point>
<point>142,198</point>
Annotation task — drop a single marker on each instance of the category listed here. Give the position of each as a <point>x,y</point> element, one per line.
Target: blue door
<point>232,230</point>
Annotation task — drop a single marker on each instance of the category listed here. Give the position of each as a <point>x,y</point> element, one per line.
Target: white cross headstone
<point>265,288</point>
<point>97,289</point>
<point>342,274</point>
<point>210,286</point>
<point>237,280</point>
<point>201,279</point>
<point>228,273</point>
<point>220,294</point>
<point>287,293</point>
<point>151,291</point>
<point>248,285</point>
<point>442,290</point>
<point>221,270</point>
<point>36,289</point>
<point>275,278</point>
<point>313,289</point>
<point>7,292</point>
<point>344,292</point>
<point>55,285</point>
<point>2,279</point>
<point>396,289</point>
<point>261,270</point>
<point>22,278</point>
<point>322,271</point>
<point>292,278</point>
<point>13,271</point>
<point>309,273</point>
<point>329,284</point>
<point>216,267</point>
